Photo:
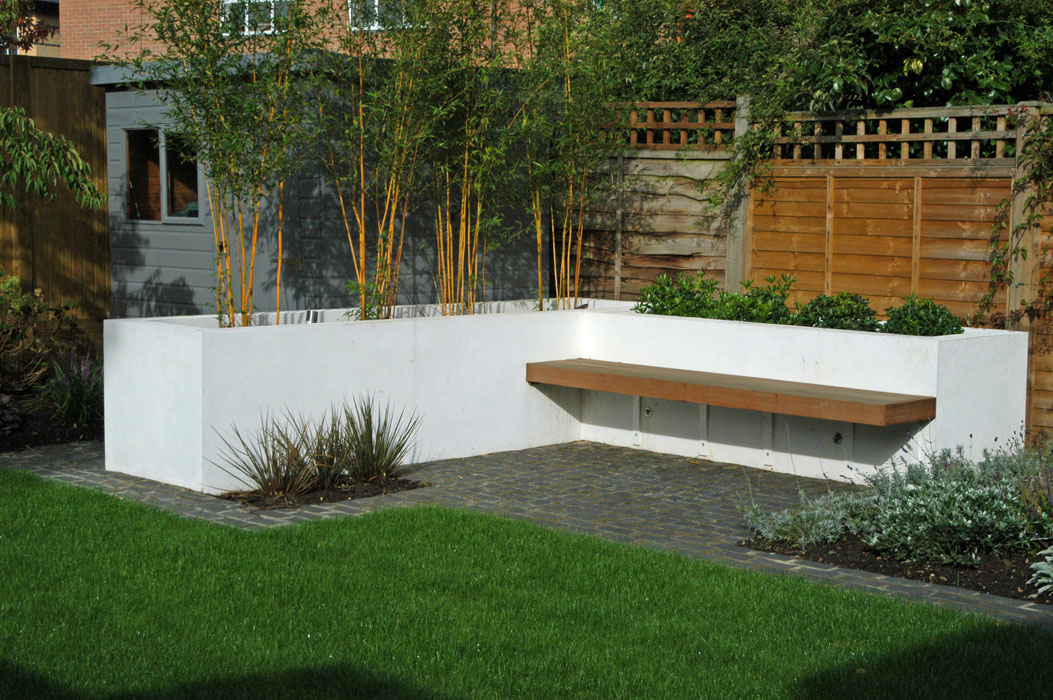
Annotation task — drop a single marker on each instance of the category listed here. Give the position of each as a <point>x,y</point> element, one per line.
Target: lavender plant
<point>73,394</point>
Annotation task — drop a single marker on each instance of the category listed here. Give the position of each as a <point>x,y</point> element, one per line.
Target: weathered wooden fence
<point>57,246</point>
<point>884,204</point>
<point>654,217</point>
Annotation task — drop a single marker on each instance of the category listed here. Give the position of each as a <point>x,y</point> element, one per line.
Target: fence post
<point>1024,269</point>
<point>735,270</point>
<point>619,184</point>
<point>1025,272</point>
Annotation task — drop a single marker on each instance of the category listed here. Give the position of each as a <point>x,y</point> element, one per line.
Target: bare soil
<point>38,428</point>
<point>1005,575</point>
<point>346,490</point>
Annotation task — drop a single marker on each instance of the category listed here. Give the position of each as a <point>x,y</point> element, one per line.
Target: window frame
<point>162,165</point>
<point>376,26</point>
<point>246,30</point>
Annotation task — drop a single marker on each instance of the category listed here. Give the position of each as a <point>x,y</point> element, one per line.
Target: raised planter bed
<point>174,386</point>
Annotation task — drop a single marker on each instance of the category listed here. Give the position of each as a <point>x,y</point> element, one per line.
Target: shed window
<point>162,181</point>
<point>144,176</point>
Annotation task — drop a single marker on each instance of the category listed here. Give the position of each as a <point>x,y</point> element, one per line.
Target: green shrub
<point>950,509</point>
<point>921,317</point>
<point>697,297</point>
<point>765,304</point>
<point>1043,576</point>
<point>686,296</point>
<point>843,310</point>
<point>951,517</point>
<point>73,393</point>
<point>31,332</point>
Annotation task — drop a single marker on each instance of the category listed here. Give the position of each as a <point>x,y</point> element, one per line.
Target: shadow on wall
<point>990,662</point>
<point>332,681</point>
<point>152,295</point>
<point>317,258</point>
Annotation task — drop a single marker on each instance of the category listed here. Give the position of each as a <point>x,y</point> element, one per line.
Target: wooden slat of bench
<point>774,396</point>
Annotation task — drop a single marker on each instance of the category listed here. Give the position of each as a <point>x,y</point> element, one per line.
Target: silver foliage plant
<point>950,509</point>
<point>1043,576</point>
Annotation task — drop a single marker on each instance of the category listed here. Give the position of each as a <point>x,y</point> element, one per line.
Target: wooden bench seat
<point>770,395</point>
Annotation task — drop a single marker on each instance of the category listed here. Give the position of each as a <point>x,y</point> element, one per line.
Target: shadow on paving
<point>995,663</point>
<point>314,683</point>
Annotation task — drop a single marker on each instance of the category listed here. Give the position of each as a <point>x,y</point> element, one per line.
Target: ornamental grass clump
<point>377,440</point>
<point>276,461</point>
<point>293,455</point>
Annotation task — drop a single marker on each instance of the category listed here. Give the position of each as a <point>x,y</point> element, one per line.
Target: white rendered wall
<point>175,385</point>
<point>464,376</point>
<point>979,379</point>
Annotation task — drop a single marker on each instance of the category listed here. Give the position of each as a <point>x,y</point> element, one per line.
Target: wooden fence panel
<point>882,203</point>
<point>57,246</point>
<point>653,220</point>
<point>882,237</point>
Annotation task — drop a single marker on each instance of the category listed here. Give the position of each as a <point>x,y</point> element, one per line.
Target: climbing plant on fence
<point>1017,219</point>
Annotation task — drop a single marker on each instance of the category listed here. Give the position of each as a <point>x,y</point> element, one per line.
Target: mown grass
<point>101,598</point>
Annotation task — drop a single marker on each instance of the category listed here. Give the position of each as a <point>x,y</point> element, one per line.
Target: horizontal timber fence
<point>56,246</point>
<point>881,203</point>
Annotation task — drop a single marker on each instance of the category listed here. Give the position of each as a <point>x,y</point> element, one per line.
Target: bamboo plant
<point>230,73</point>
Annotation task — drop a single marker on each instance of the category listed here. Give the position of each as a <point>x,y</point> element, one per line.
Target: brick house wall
<point>87,23</point>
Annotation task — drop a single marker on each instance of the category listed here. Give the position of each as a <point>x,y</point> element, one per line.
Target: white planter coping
<point>174,386</point>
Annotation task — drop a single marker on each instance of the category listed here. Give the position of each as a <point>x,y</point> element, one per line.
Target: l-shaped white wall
<point>175,386</point>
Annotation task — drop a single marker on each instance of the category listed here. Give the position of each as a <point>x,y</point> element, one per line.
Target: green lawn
<point>101,598</point>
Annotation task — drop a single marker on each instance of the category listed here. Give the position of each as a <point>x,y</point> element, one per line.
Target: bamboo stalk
<point>278,282</point>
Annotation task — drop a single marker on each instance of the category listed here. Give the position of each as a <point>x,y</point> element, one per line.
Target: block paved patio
<point>642,498</point>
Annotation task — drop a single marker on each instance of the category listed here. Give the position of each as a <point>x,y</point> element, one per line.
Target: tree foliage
<point>35,159</point>
<point>38,161</point>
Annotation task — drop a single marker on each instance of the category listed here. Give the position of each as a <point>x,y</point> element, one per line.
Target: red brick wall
<point>86,23</point>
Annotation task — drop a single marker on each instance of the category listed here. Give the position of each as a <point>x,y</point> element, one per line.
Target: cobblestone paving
<point>644,498</point>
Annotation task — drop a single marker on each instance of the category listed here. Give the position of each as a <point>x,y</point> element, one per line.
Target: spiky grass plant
<point>378,439</point>
<point>278,460</point>
<point>294,454</point>
<point>331,450</point>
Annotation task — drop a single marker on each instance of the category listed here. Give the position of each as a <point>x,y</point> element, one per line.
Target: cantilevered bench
<point>731,391</point>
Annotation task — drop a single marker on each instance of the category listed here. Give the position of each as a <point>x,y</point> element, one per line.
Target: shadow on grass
<point>1000,662</point>
<point>315,683</point>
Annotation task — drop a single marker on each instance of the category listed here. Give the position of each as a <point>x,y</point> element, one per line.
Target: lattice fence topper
<point>985,133</point>
<point>671,126</point>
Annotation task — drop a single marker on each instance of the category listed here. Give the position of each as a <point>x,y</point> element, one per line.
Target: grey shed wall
<point>161,268</point>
